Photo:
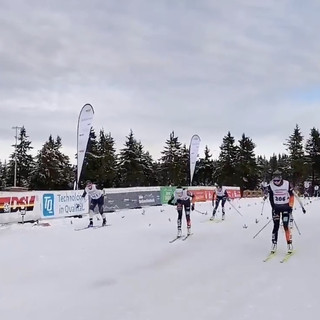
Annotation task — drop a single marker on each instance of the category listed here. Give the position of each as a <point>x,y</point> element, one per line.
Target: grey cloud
<point>205,66</point>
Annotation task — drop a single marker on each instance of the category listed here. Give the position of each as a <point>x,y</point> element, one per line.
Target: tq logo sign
<point>15,204</point>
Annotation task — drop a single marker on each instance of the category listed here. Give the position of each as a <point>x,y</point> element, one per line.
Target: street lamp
<point>15,156</point>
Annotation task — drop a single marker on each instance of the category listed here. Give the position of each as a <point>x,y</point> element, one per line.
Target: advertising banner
<point>130,200</point>
<point>202,195</point>
<point>194,152</point>
<point>166,193</point>
<point>19,207</point>
<point>118,201</point>
<point>59,204</point>
<point>233,192</point>
<point>149,198</point>
<point>83,130</point>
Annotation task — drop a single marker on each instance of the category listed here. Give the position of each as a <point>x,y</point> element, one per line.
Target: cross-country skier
<point>182,198</point>
<point>96,198</point>
<point>281,198</point>
<point>306,192</point>
<point>220,195</point>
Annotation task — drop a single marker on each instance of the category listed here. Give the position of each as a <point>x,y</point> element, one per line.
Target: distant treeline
<point>237,164</point>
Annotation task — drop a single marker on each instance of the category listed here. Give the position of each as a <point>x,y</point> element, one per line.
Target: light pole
<point>15,156</point>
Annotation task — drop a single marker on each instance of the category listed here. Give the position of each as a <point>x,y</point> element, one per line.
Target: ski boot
<point>189,231</point>
<point>90,223</point>
<point>290,248</point>
<point>104,222</point>
<point>179,234</point>
<point>223,214</point>
<point>274,247</point>
<point>213,214</point>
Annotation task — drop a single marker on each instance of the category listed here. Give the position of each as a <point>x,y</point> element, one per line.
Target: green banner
<point>166,193</point>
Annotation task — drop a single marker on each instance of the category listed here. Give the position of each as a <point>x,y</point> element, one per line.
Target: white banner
<point>84,126</point>
<point>193,154</point>
<point>59,204</point>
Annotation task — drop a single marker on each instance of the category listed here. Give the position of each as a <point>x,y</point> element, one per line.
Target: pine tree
<point>130,166</point>
<point>313,154</point>
<point>184,166</point>
<point>2,176</point>
<point>149,168</point>
<point>227,162</point>
<point>247,169</point>
<point>92,161</point>
<point>284,165</point>
<point>273,163</point>
<point>216,171</point>
<point>53,170</point>
<point>296,155</point>
<point>25,162</point>
<point>263,169</point>
<point>107,169</point>
<point>170,162</point>
<point>203,175</point>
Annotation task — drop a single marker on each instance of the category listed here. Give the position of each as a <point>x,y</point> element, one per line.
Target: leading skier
<point>183,198</point>
<point>96,199</point>
<point>281,198</point>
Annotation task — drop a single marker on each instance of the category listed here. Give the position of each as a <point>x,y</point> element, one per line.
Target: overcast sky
<point>205,67</point>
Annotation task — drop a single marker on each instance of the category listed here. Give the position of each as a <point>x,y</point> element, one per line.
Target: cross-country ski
<point>187,236</point>
<point>271,255</point>
<point>175,239</point>
<point>287,256</point>
<point>92,227</point>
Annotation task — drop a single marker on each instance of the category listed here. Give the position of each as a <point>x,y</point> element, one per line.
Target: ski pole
<point>236,209</point>
<point>200,212</point>
<point>297,227</point>
<point>262,228</point>
<point>300,202</point>
<point>263,206</point>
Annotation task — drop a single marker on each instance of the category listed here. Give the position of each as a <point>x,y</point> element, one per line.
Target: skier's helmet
<point>277,177</point>
<point>89,184</point>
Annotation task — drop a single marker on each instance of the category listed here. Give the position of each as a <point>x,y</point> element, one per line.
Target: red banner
<point>203,195</point>
<point>14,204</point>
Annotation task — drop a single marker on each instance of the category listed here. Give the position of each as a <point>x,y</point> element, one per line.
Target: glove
<point>228,199</point>
<point>264,198</point>
<point>303,210</point>
<point>192,207</point>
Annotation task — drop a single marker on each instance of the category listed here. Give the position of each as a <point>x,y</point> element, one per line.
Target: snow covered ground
<point>130,271</point>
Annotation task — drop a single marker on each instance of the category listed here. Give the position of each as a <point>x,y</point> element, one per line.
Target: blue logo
<point>48,204</point>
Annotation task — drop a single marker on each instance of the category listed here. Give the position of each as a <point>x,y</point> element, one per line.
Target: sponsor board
<point>17,203</point>
<point>48,204</point>
<point>233,193</point>
<point>202,195</point>
<point>130,200</point>
<point>63,204</point>
<point>166,193</point>
<point>19,206</point>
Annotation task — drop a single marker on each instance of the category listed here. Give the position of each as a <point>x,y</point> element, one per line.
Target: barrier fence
<point>38,205</point>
